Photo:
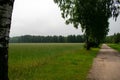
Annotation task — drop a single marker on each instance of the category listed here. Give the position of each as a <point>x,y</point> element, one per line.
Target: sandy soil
<point>106,65</point>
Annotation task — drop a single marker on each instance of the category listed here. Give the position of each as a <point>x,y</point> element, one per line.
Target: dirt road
<point>106,65</point>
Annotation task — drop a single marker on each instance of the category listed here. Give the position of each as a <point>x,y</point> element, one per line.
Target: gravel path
<point>106,65</point>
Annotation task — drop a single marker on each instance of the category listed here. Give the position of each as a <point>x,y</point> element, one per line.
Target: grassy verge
<point>49,61</point>
<point>115,46</point>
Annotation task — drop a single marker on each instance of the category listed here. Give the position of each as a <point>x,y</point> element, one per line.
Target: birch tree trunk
<point>6,7</point>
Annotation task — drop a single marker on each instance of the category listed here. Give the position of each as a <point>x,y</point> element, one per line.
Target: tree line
<point>113,38</point>
<point>48,39</point>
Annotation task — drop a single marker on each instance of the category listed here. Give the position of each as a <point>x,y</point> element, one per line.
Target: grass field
<point>49,61</point>
<point>115,46</point>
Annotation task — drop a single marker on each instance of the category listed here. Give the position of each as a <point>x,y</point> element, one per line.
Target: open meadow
<point>49,61</point>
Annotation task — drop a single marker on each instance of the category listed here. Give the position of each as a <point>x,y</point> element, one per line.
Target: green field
<point>115,46</point>
<point>49,61</point>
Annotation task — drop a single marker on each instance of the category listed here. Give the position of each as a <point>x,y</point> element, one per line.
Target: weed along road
<point>106,65</point>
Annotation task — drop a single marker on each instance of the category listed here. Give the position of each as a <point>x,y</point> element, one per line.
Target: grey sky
<point>43,17</point>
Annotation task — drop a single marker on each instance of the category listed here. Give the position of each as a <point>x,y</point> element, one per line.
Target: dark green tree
<point>80,39</point>
<point>113,38</point>
<point>109,39</point>
<point>91,15</point>
<point>117,38</point>
<point>61,39</point>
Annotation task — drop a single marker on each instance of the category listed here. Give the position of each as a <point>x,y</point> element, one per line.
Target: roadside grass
<point>50,61</point>
<point>115,46</point>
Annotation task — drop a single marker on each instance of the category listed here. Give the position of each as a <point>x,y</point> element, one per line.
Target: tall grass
<point>49,61</point>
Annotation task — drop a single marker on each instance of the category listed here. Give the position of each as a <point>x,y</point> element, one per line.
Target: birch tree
<point>6,7</point>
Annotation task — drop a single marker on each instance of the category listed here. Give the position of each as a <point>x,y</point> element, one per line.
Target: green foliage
<point>48,39</point>
<point>117,38</point>
<point>113,38</point>
<point>51,61</point>
<point>92,15</point>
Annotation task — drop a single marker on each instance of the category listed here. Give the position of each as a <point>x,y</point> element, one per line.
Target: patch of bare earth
<point>106,65</point>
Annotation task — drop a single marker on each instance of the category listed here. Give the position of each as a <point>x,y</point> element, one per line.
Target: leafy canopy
<point>92,15</point>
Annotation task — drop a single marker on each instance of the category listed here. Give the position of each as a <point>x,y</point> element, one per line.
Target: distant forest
<point>48,39</point>
<point>113,38</point>
<point>60,39</point>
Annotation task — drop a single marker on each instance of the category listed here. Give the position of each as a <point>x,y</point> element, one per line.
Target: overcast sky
<point>43,17</point>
